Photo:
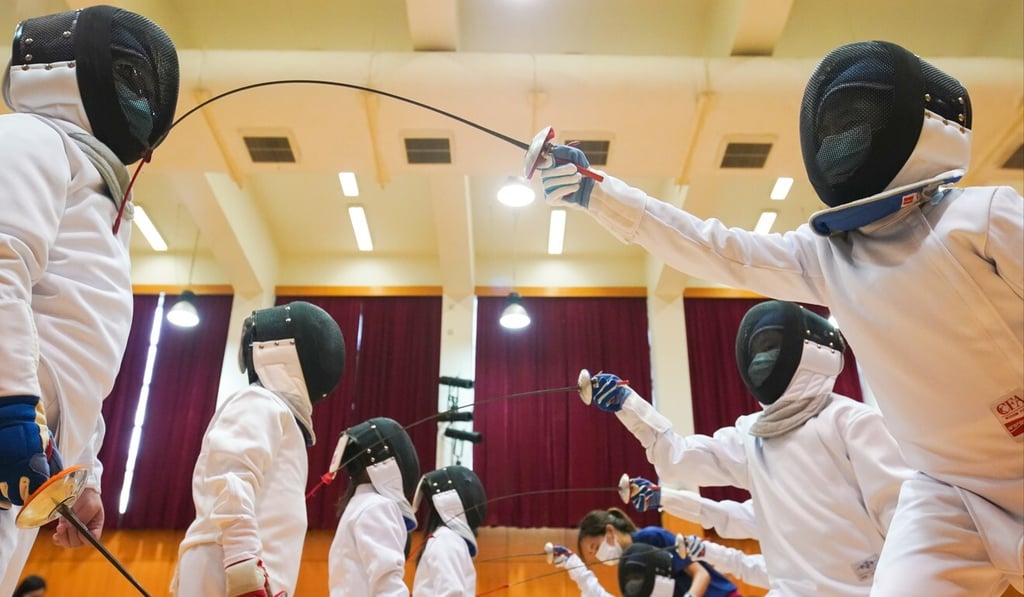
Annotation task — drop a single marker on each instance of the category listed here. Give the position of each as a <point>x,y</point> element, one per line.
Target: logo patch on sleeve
<point>865,569</point>
<point>1009,409</point>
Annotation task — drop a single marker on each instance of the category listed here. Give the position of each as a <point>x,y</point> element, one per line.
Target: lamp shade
<point>514,317</point>
<point>516,192</point>
<point>183,314</point>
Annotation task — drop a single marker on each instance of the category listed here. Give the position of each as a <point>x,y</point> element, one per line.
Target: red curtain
<point>119,407</point>
<point>392,363</point>
<point>553,441</point>
<point>719,395</point>
<point>182,398</point>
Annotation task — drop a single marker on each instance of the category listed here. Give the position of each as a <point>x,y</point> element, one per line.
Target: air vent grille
<point>428,151</point>
<point>746,155</point>
<point>269,149</point>
<point>597,151</point>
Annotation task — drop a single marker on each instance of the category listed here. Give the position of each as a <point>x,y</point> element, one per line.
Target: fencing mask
<point>126,70</point>
<point>772,344</point>
<point>293,348</point>
<point>382,448</point>
<point>877,125</point>
<point>458,497</point>
<point>645,571</point>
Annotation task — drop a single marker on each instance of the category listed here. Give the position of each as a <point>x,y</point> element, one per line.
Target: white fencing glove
<point>694,546</point>
<point>248,578</point>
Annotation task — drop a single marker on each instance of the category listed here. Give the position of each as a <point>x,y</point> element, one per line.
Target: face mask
<point>609,553</point>
<point>762,365</point>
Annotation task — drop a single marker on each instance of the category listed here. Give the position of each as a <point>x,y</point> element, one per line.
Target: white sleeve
<point>34,176</point>
<point>696,459</point>
<point>585,579</point>
<point>439,573</point>
<point>90,455</point>
<point>380,542</point>
<point>877,464</point>
<point>785,266</point>
<point>751,569</point>
<point>729,518</point>
<point>1005,243</point>
<point>241,445</point>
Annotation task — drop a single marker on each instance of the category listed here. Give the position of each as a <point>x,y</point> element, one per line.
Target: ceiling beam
<point>236,233</point>
<point>433,25</point>
<point>746,27</point>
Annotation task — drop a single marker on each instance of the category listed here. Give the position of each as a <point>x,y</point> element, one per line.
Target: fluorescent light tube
<point>349,186</point>
<point>360,227</point>
<point>781,189</point>
<point>148,230</point>
<point>556,232</point>
<point>765,222</point>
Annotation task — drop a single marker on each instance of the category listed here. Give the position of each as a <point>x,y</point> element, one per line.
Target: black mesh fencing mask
<point>641,567</point>
<point>465,483</point>
<point>862,114</point>
<point>319,344</point>
<point>770,345</point>
<point>378,440</point>
<point>126,69</point>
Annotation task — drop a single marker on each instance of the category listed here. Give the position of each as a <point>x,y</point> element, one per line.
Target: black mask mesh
<point>126,69</point>
<point>860,119</point>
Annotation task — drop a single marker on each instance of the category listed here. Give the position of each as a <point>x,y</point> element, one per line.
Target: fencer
<point>367,556</point>
<point>817,464</point>
<point>250,478</point>
<point>456,507</point>
<point>91,90</point>
<point>928,281</point>
<point>750,568</point>
<point>603,537</point>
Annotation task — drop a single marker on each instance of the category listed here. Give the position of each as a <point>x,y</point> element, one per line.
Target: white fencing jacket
<point>249,489</point>
<point>65,286</point>
<point>446,568</point>
<point>823,494</point>
<point>932,301</point>
<point>367,556</point>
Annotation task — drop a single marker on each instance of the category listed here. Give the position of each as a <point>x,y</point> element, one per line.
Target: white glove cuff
<point>244,577</point>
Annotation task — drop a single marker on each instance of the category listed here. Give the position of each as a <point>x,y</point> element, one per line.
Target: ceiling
<point>668,83</point>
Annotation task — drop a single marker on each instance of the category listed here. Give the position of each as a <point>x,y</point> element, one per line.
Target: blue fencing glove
<point>557,554</point>
<point>562,181</point>
<point>24,443</point>
<point>644,495</point>
<point>608,392</point>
